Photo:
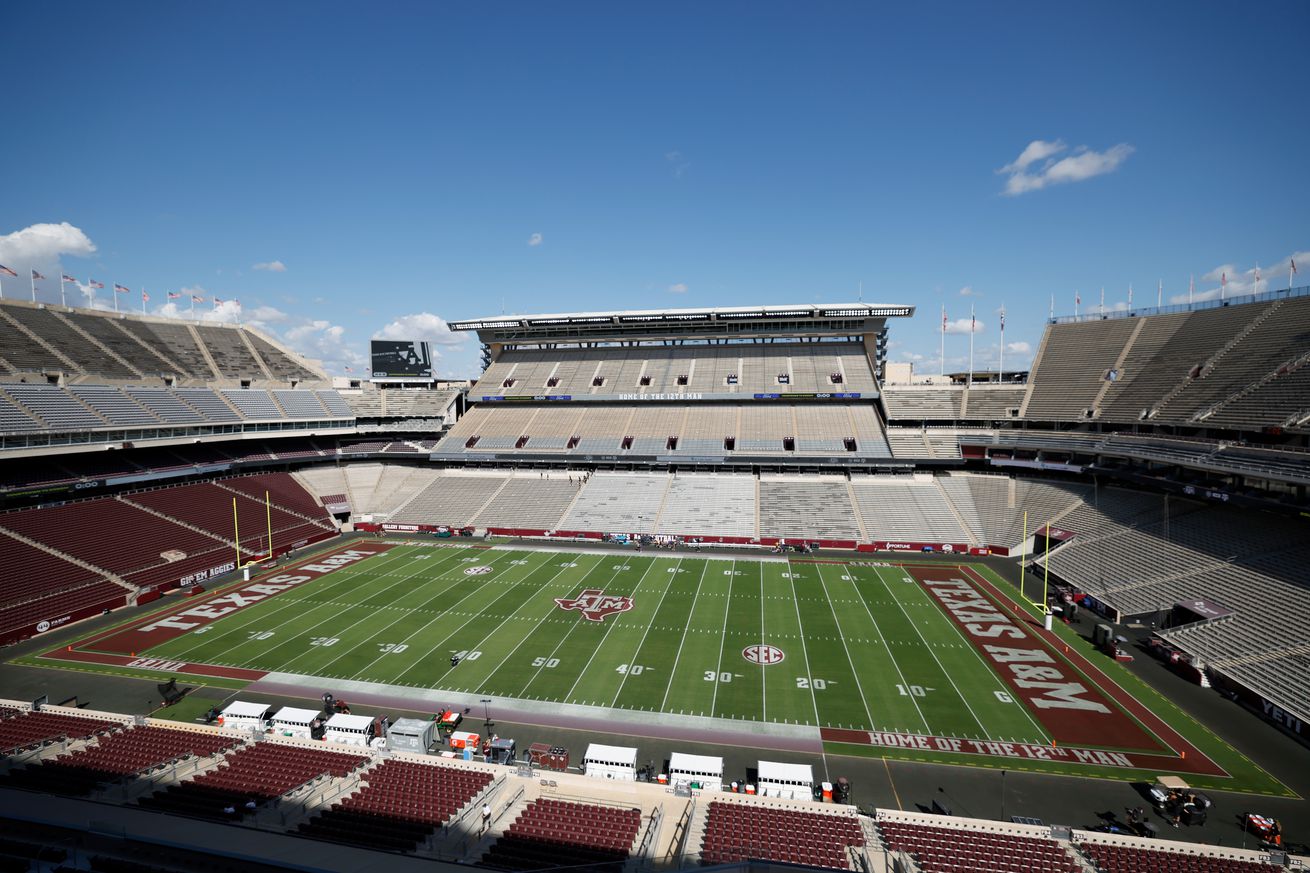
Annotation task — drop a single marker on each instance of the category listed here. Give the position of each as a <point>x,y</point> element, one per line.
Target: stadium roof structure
<point>829,318</point>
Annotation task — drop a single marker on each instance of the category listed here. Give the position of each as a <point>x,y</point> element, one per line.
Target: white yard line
<point>841,633</point>
<point>805,652</point>
<point>365,618</point>
<point>940,666</point>
<point>425,626</point>
<point>339,632</point>
<point>714,697</point>
<point>897,664</point>
<point>347,574</point>
<point>672,578</point>
<point>547,584</point>
<point>683,642</point>
<point>474,617</point>
<point>569,633</point>
<point>1045,738</point>
<point>605,636</point>
<point>764,677</point>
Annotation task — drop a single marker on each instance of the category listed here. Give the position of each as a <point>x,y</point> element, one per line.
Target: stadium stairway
<point>855,505</point>
<point>64,556</point>
<point>215,372</point>
<point>181,522</point>
<point>31,335</point>
<point>279,504</point>
<point>92,341</point>
<point>1208,367</point>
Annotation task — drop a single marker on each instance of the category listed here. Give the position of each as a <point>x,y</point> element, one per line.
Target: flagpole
<point>1103,300</point>
<point>115,296</point>
<point>143,300</point>
<point>1022,563</point>
<point>1130,296</point>
<point>1000,364</point>
<point>943,358</point>
<point>33,286</point>
<point>1159,295</point>
<point>1077,299</point>
<point>1052,307</point>
<point>972,324</point>
<point>1191,287</point>
<point>62,300</point>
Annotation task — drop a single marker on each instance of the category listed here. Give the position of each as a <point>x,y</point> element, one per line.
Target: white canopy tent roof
<point>772,771</point>
<point>681,762</point>
<point>622,755</point>
<point>294,715</point>
<point>244,709</point>
<point>344,722</point>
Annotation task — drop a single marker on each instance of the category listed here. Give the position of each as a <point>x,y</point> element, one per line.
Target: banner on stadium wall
<point>665,396</point>
<point>60,619</point>
<point>908,546</point>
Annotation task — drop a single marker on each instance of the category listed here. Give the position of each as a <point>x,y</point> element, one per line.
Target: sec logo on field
<point>477,571</point>
<point>765,656</point>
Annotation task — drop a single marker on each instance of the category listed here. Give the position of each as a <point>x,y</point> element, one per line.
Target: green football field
<point>798,643</point>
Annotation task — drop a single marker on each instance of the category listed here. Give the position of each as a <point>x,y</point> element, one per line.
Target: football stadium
<point>583,437</point>
<point>660,588</point>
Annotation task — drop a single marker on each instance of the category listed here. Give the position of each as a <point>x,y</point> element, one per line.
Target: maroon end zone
<point>1073,712</point>
<point>162,626</point>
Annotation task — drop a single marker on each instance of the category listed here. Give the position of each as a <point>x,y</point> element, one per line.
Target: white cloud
<point>962,325</point>
<point>421,326</point>
<point>535,239</point>
<point>271,266</point>
<point>967,291</point>
<point>42,244</point>
<point>1083,163</point>
<point>679,288</point>
<point>39,247</point>
<point>1019,348</point>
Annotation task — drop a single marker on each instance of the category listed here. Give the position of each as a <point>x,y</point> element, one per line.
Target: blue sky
<point>406,164</point>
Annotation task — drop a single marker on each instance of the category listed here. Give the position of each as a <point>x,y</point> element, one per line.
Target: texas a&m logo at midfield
<point>477,570</point>
<point>595,604</point>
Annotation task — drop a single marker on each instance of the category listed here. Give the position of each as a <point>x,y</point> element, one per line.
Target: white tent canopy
<point>242,709</point>
<point>793,781</point>
<point>610,762</point>
<point>603,754</point>
<point>704,769</point>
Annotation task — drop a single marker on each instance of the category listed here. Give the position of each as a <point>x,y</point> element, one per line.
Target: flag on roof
<point>36,275</point>
<point>94,284</point>
<point>145,298</point>
<point>174,295</point>
<point>68,278</point>
<point>197,298</point>
<point>122,289</point>
<point>9,272</point>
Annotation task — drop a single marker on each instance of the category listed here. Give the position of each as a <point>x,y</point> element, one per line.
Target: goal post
<point>236,532</point>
